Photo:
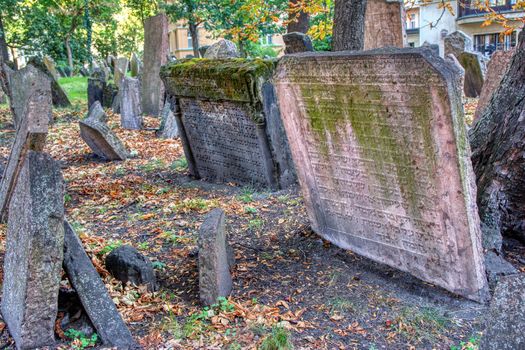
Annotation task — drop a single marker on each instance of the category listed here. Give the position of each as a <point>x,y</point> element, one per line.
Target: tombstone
<point>136,65</point>
<point>384,24</point>
<point>229,121</point>
<point>474,76</point>
<point>456,43</point>
<point>51,67</point>
<point>121,68</point>
<point>222,49</point>
<point>168,126</point>
<point>115,106</point>
<point>99,137</point>
<point>31,93</point>
<point>202,50</point>
<point>381,151</point>
<point>433,47</point>
<point>130,106</point>
<point>93,294</point>
<point>155,52</point>
<point>110,60</point>
<point>496,69</point>
<point>127,265</point>
<point>3,97</point>
<point>108,95</point>
<point>34,253</point>
<point>505,322</point>
<point>59,96</point>
<point>453,61</point>
<point>214,269</point>
<point>96,87</point>
<point>297,42</point>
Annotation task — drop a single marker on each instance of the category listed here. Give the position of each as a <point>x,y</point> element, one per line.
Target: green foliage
<point>180,164</point>
<point>159,265</point>
<point>112,245</point>
<point>324,44</point>
<point>75,88</point>
<point>279,339</point>
<point>80,340</point>
<point>471,344</point>
<point>257,50</point>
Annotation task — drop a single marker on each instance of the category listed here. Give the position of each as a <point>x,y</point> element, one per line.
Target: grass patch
<point>75,88</point>
<point>419,325</point>
<point>279,339</point>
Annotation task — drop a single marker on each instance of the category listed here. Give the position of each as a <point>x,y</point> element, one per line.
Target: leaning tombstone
<point>505,321</point>
<point>31,93</point>
<point>229,121</point>
<point>93,294</point>
<point>474,73</point>
<point>51,67</point>
<point>59,96</point>
<point>34,253</point>
<point>121,68</point>
<point>130,106</point>
<point>99,137</point>
<point>456,43</point>
<point>384,24</point>
<point>156,50</point>
<point>222,49</point>
<point>496,69</point>
<point>214,269</point>
<point>168,125</point>
<point>297,42</point>
<point>381,151</point>
<point>96,86</point>
<point>136,65</point>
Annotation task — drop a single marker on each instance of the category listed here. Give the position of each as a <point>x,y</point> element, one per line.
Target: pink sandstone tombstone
<point>384,24</point>
<point>382,156</point>
<point>155,55</point>
<point>498,64</point>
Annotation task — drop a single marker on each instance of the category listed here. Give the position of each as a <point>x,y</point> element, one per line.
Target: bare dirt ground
<point>289,285</point>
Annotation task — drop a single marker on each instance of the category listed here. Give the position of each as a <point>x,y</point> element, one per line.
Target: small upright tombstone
<point>297,42</point>
<point>34,253</point>
<point>96,86</point>
<point>130,106</point>
<point>168,126</point>
<point>136,65</point>
<point>456,43</point>
<point>472,62</point>
<point>381,151</point>
<point>496,69</point>
<point>156,50</point>
<point>384,24</point>
<point>222,49</point>
<point>99,137</point>
<point>121,68</point>
<point>214,268</point>
<point>109,94</point>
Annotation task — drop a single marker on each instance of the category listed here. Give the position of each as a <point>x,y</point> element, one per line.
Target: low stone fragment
<point>99,137</point>
<point>505,322</point>
<point>168,126</point>
<point>297,42</point>
<point>214,266</point>
<point>34,253</point>
<point>93,294</point>
<point>126,264</point>
<point>130,104</point>
<point>496,266</point>
<point>222,49</point>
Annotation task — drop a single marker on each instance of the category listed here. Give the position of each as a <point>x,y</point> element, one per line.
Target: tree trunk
<point>69,54</point>
<point>300,22</point>
<point>349,25</point>
<point>194,31</point>
<point>498,147</point>
<point>4,53</point>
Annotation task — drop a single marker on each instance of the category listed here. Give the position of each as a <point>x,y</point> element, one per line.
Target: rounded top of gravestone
<point>457,42</point>
<point>297,42</point>
<point>222,49</point>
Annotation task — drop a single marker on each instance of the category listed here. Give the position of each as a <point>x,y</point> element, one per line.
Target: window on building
<point>412,21</point>
<point>266,40</point>
<point>190,40</point>
<point>487,44</point>
<point>412,44</point>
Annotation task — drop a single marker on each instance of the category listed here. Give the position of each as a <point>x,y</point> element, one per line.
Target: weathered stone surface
<point>31,91</point>
<point>473,65</point>
<point>130,106</point>
<point>222,49</point>
<point>126,264</point>
<point>3,97</point>
<point>136,65</point>
<point>297,42</point>
<point>51,67</point>
<point>93,294</point>
<point>121,68</point>
<point>496,68</point>
<point>59,96</point>
<point>96,87</point>
<point>99,137</point>
<point>433,47</point>
<point>384,24</point>
<point>497,266</point>
<point>203,49</point>
<point>453,61</point>
<point>115,106</point>
<point>229,121</point>
<point>214,269</point>
<point>505,322</point>
<point>168,126</point>
<point>34,252</point>
<point>456,43</point>
<point>155,55</point>
<point>380,147</point>
<point>109,94</point>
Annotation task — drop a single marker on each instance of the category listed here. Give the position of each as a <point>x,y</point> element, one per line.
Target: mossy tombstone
<point>380,149</point>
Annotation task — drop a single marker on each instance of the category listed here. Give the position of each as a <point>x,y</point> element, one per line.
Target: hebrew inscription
<point>382,156</point>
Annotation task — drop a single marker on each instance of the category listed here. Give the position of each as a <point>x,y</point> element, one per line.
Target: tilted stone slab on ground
<point>99,137</point>
<point>496,69</point>
<point>130,106</point>
<point>229,121</point>
<point>31,91</point>
<point>34,252</point>
<point>380,147</point>
<point>93,293</point>
<point>384,24</point>
<point>155,55</point>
